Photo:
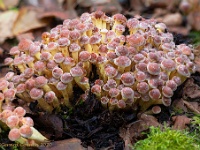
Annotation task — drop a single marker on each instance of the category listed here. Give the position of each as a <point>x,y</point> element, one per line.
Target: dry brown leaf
<point>111,7</point>
<point>69,144</point>
<point>58,14</point>
<point>172,19</point>
<point>3,71</point>
<point>193,106</point>
<point>194,19</point>
<point>180,122</point>
<point>191,90</point>
<point>90,3</point>
<point>28,20</point>
<point>178,104</point>
<point>135,129</point>
<point>52,123</point>
<point>10,3</point>
<point>6,24</point>
<point>179,30</point>
<point>27,35</point>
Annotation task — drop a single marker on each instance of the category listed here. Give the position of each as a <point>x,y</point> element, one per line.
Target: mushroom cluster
<point>138,64</point>
<point>21,127</point>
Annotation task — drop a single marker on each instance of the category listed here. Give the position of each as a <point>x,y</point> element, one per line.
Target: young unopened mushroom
<point>39,66</point>
<point>37,94</point>
<point>119,29</point>
<point>63,45</point>
<point>21,93</point>
<point>67,79</point>
<point>153,68</point>
<point>121,104</point>
<point>85,56</point>
<point>118,19</point>
<point>167,91</point>
<point>154,110</point>
<point>78,73</point>
<point>96,89</point>
<point>111,83</point>
<point>182,71</point>
<point>114,92</point>
<point>127,93</point>
<point>24,45</point>
<point>50,97</point>
<point>28,72</point>
<point>27,121</point>
<point>57,72</point>
<point>123,63</point>
<point>63,88</point>
<point>168,65</point>
<point>12,121</point>
<point>111,72</point>
<point>94,42</point>
<point>19,63</point>
<point>112,104</point>
<point>74,48</point>
<point>133,25</point>
<point>136,40</point>
<point>9,94</point>
<point>154,94</point>
<point>104,101</point>
<point>14,134</point>
<point>142,87</point>
<point>34,51</point>
<point>25,131</point>
<point>1,100</point>
<point>4,85</point>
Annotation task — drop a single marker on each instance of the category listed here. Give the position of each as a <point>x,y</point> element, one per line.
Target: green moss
<point>167,139</point>
<point>196,128</point>
<point>194,35</point>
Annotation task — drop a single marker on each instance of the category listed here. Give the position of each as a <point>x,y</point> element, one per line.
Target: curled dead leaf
<point>172,19</point>
<point>194,19</point>
<point>180,122</point>
<point>68,144</point>
<point>28,20</point>
<point>133,131</point>
<point>193,106</point>
<point>7,20</point>
<point>191,90</point>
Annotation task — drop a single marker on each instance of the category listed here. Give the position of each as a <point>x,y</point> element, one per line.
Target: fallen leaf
<point>191,90</point>
<point>133,131</point>
<point>178,105</point>
<point>6,24</point>
<point>112,7</point>
<point>193,106</point>
<point>50,123</point>
<point>137,5</point>
<point>28,20</point>
<point>27,35</point>
<point>171,19</point>
<point>180,122</point>
<point>194,19</point>
<point>10,3</point>
<point>58,14</point>
<point>68,144</point>
<point>3,71</point>
<point>179,30</point>
<point>90,3</point>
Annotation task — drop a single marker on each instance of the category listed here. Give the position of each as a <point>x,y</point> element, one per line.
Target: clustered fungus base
<point>136,60</point>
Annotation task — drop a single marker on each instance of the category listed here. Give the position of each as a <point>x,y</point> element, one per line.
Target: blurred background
<point>29,18</point>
